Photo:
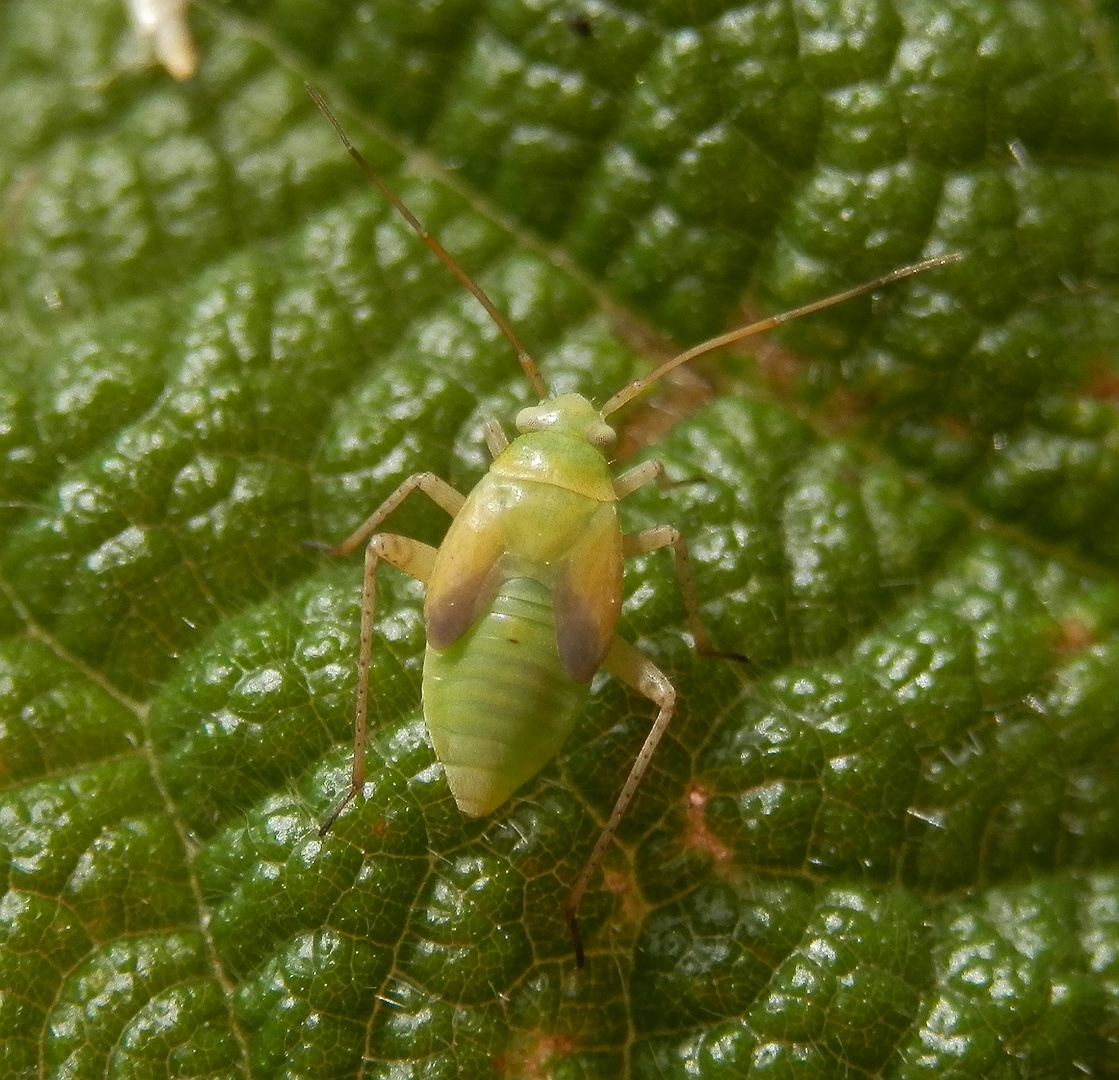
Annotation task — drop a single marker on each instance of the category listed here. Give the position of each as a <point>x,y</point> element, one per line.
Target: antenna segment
<point>528,365</point>
<point>638,386</point>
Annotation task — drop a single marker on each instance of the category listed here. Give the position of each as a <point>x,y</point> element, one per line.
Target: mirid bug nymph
<point>524,592</point>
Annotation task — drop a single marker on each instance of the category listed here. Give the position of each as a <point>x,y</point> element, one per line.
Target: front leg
<point>434,487</point>
<point>415,559</point>
<point>496,440</point>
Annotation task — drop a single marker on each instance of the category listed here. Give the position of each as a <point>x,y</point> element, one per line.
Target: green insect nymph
<point>533,560</point>
<point>523,594</point>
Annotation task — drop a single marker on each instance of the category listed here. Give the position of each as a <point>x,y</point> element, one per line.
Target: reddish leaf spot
<point>1076,636</point>
<point>1103,384</point>
<point>698,835</point>
<point>536,1060</point>
<point>845,410</point>
<point>953,425</point>
<point>623,886</point>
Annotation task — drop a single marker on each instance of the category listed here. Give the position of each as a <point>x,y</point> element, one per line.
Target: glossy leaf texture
<point>886,846</point>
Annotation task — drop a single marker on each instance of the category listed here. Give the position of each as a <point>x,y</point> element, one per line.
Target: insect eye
<point>531,419</point>
<point>601,435</point>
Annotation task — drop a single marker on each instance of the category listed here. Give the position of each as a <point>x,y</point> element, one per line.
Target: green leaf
<point>886,846</point>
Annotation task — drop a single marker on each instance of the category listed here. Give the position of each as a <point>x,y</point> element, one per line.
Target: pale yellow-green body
<point>522,606</point>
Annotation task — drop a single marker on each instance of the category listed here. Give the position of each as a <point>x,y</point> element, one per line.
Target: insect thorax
<point>560,459</point>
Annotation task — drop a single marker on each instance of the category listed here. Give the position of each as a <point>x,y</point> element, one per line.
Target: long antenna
<point>528,365</point>
<point>638,386</point>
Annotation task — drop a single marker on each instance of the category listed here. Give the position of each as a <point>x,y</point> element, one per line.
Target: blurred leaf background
<point>886,847</point>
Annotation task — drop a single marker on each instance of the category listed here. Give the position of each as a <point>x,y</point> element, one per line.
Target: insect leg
<point>627,665</point>
<point>496,440</point>
<point>662,536</point>
<point>415,559</point>
<point>435,488</point>
<point>405,554</point>
<point>646,473</point>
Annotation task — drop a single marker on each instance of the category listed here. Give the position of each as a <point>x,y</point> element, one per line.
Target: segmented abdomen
<point>497,703</point>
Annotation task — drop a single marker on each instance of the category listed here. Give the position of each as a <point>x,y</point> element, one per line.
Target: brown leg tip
<point>738,658</point>
<point>709,653</point>
<point>576,940</point>
<point>326,826</point>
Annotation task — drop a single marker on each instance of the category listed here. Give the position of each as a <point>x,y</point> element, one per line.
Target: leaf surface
<point>886,846</point>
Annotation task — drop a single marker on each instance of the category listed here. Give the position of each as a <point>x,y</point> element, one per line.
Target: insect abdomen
<point>498,703</point>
